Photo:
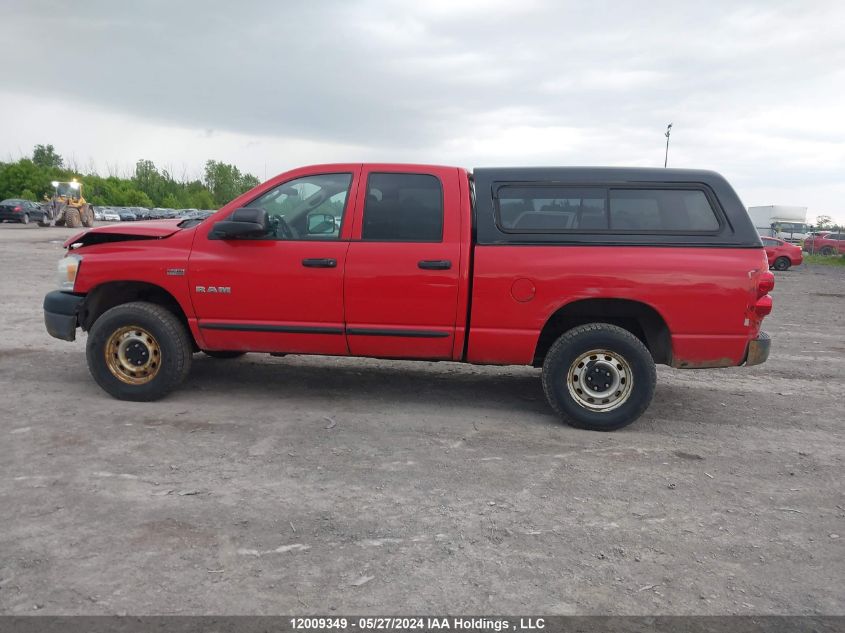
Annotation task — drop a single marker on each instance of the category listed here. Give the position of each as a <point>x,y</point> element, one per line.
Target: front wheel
<point>599,377</point>
<point>827,251</point>
<point>72,218</point>
<point>782,263</point>
<point>138,351</point>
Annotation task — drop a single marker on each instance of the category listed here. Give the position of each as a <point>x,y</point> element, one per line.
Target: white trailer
<point>778,220</point>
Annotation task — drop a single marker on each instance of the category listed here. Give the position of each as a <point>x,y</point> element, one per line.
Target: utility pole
<point>668,132</point>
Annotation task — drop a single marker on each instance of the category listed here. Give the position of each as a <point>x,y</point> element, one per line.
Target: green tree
<point>148,186</point>
<point>24,174</point>
<point>226,182</point>
<point>135,198</point>
<point>46,156</point>
<point>824,222</point>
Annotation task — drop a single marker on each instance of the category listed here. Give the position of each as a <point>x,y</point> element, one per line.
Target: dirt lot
<point>297,485</point>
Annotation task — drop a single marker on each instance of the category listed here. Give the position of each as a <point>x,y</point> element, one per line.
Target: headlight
<point>68,267</point>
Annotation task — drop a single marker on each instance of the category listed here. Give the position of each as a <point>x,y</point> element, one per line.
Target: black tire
<point>782,263</point>
<point>86,216</point>
<point>827,251</point>
<point>172,339</point>
<point>25,218</point>
<point>223,355</point>
<point>561,360</point>
<point>72,218</point>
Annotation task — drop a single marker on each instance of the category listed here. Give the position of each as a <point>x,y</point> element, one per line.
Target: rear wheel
<point>827,251</point>
<point>138,351</point>
<point>72,218</point>
<point>25,218</point>
<point>599,377</point>
<point>782,263</point>
<point>222,355</point>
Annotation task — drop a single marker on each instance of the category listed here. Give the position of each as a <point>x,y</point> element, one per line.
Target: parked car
<point>126,215</point>
<point>828,244</point>
<point>781,254</point>
<point>109,214</point>
<point>195,214</point>
<point>23,211</point>
<point>592,274</point>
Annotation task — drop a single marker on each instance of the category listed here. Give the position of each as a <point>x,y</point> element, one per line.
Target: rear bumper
<point>758,350</point>
<point>61,311</point>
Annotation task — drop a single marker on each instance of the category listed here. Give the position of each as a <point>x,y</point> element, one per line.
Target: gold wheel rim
<point>133,355</point>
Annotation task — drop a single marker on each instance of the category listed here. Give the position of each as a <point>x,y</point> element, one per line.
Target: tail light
<point>18,208</point>
<point>765,284</point>
<point>763,307</point>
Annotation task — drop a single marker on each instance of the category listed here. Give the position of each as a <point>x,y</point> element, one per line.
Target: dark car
<point>23,211</point>
<point>126,215</point>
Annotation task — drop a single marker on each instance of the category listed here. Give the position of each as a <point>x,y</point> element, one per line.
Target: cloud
<point>753,89</point>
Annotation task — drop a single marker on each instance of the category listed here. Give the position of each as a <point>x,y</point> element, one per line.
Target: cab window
<point>307,208</point>
<point>403,208</point>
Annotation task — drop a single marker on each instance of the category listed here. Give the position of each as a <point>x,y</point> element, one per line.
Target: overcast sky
<point>755,90</point>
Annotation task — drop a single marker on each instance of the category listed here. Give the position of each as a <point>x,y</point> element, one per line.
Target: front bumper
<point>758,350</point>
<point>61,311</point>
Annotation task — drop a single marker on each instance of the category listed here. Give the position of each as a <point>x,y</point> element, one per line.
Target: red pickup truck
<point>592,274</point>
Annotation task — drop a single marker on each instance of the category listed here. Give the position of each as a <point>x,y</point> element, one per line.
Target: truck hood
<point>147,230</point>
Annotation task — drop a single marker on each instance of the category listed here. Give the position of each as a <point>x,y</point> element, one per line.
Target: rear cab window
<point>402,207</point>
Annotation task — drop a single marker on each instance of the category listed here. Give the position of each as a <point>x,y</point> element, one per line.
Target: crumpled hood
<point>146,230</point>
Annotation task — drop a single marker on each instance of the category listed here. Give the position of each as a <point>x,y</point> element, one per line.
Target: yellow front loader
<point>67,207</point>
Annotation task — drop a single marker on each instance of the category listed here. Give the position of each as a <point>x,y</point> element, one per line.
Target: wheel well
<point>109,295</point>
<point>639,319</point>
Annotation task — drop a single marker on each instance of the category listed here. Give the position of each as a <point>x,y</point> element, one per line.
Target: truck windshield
<point>795,227</point>
<point>68,189</point>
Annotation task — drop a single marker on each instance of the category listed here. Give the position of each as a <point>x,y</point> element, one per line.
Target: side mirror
<point>242,223</point>
<point>321,224</point>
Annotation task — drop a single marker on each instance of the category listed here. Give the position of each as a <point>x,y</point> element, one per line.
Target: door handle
<point>318,262</point>
<point>434,264</point>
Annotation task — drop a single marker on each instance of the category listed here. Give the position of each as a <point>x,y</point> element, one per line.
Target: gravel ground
<point>298,485</point>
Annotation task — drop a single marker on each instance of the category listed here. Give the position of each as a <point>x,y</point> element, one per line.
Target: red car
<point>827,243</point>
<point>593,274</point>
<point>781,254</point>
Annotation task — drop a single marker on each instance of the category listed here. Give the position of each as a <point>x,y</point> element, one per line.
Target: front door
<point>282,292</point>
<point>402,268</point>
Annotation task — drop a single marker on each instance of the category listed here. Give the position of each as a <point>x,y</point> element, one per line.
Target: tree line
<point>148,186</point>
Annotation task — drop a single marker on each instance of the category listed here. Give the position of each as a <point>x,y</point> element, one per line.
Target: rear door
<point>402,268</point>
